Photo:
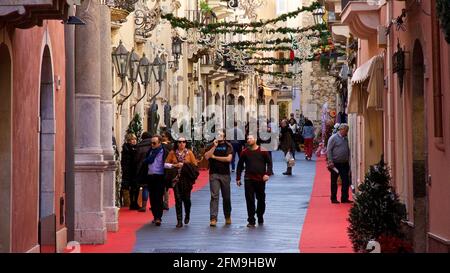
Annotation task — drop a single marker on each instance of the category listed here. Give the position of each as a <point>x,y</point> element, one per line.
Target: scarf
<point>153,153</point>
<point>181,155</point>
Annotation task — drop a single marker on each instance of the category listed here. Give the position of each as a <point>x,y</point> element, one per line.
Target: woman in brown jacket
<point>177,157</point>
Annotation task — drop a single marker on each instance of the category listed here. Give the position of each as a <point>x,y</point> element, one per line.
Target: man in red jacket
<point>258,166</point>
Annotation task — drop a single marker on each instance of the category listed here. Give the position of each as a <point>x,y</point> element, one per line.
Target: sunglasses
<point>181,141</point>
<point>154,143</point>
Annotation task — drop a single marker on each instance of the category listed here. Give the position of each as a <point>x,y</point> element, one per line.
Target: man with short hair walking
<point>219,155</point>
<point>338,156</point>
<point>258,166</point>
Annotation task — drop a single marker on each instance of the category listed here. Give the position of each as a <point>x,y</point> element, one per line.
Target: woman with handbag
<point>182,187</point>
<point>286,146</point>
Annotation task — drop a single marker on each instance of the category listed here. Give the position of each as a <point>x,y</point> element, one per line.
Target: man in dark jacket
<point>258,167</point>
<point>141,151</point>
<point>155,160</point>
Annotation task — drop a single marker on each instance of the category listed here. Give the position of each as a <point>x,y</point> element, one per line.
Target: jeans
<point>344,169</point>
<point>255,189</point>
<point>219,182</point>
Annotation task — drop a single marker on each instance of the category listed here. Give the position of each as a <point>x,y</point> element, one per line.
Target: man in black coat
<point>141,151</point>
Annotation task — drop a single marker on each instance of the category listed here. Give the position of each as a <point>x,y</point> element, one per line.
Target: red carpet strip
<point>325,226</point>
<point>130,222</point>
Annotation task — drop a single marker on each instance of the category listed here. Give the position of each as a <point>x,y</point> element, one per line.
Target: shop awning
<point>369,77</point>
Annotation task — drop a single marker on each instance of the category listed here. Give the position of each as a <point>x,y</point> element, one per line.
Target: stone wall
<point>317,89</point>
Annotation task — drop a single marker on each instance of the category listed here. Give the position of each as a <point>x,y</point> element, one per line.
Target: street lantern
<point>176,46</point>
<point>159,69</point>
<point>318,15</point>
<point>145,70</point>
<point>134,66</point>
<point>120,59</point>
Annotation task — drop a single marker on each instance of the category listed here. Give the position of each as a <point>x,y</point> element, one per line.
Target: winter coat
<point>128,164</point>
<point>286,139</point>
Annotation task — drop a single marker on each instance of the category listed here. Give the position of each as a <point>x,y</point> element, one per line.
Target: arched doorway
<point>47,218</point>
<point>5,149</point>
<point>419,151</point>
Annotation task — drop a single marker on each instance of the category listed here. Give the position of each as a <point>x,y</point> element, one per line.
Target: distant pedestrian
<point>219,155</point>
<point>258,166</point>
<point>165,138</point>
<point>129,188</point>
<point>338,156</point>
<point>238,142</point>
<point>286,144</point>
<point>142,149</point>
<point>308,136</point>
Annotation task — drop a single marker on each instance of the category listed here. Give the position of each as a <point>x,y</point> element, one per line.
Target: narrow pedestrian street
<point>288,200</point>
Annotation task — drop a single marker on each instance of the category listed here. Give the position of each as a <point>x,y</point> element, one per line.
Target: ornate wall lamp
<point>120,60</point>
<point>318,15</point>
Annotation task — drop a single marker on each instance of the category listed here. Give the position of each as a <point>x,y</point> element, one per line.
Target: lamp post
<point>133,71</point>
<point>145,70</point>
<point>159,71</point>
<point>120,60</point>
<point>318,15</point>
<point>176,49</point>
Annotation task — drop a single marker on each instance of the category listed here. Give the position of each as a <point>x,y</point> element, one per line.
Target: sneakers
<point>251,225</point>
<point>213,222</point>
<point>227,220</point>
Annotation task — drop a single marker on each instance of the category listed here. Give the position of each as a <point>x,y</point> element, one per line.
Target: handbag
<point>290,159</point>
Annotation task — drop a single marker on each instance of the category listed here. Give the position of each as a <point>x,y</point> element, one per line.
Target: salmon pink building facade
<point>399,103</point>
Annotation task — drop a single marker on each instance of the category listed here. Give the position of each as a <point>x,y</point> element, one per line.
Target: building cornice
<point>362,18</point>
<point>29,13</point>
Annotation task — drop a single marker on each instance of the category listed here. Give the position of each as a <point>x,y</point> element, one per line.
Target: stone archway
<point>419,150</point>
<point>47,218</point>
<point>5,148</point>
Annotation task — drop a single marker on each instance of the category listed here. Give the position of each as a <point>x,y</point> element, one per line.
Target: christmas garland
<point>185,23</point>
<point>248,44</point>
<point>443,12</point>
<point>278,74</point>
<point>281,30</point>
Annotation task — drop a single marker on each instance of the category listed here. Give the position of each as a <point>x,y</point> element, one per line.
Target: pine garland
<point>443,12</point>
<point>185,23</point>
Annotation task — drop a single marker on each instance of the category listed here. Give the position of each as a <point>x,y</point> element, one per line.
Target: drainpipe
<point>69,35</point>
<point>437,92</point>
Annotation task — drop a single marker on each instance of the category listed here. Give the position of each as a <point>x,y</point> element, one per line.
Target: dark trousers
<point>182,196</point>
<point>255,189</point>
<point>156,188</point>
<point>237,148</point>
<point>134,194</point>
<point>344,169</point>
